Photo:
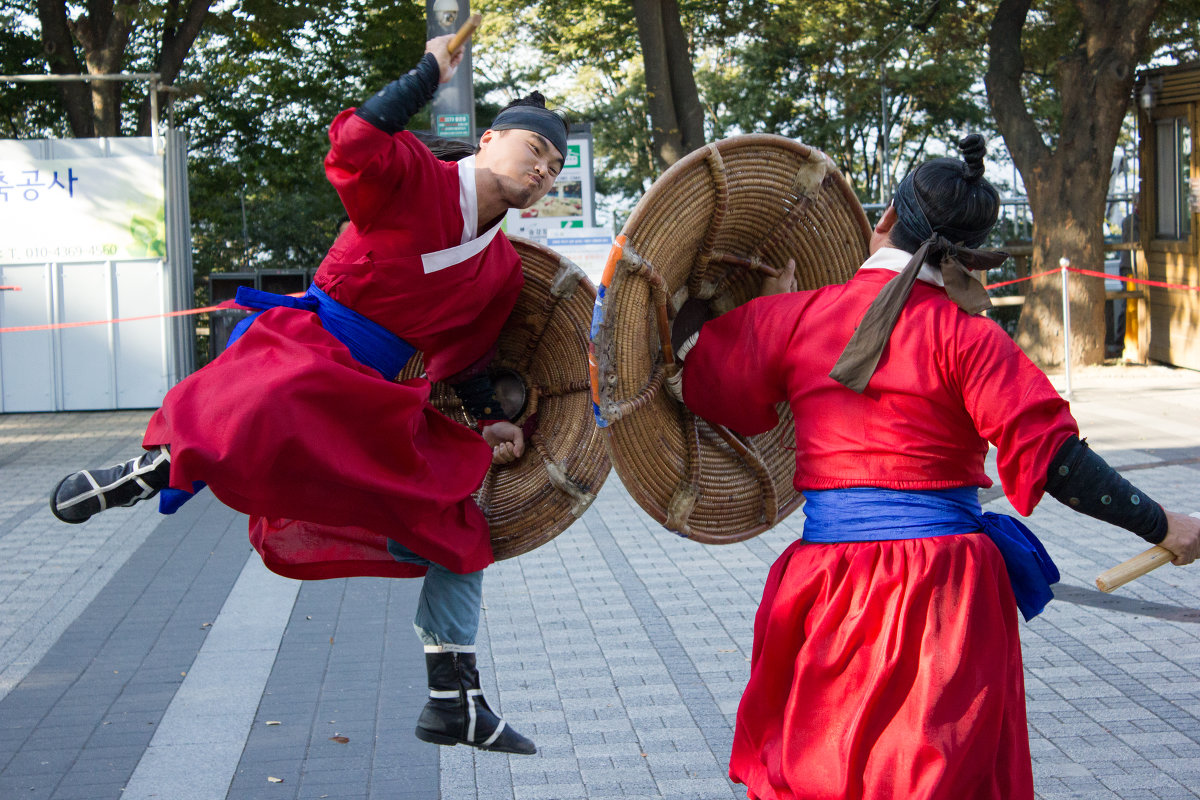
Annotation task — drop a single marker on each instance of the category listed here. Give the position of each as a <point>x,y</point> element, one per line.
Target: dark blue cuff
<point>392,108</point>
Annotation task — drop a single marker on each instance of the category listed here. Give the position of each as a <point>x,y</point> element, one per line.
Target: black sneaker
<point>83,494</point>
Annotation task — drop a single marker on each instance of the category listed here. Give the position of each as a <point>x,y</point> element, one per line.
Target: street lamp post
<point>453,106</point>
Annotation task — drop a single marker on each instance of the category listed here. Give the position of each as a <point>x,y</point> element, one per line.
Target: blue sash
<point>370,343</point>
<point>872,515</point>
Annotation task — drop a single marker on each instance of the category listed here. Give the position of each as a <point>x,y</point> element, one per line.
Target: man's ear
<point>887,221</point>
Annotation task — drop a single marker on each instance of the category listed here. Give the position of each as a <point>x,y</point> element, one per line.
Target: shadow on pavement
<point>1125,605</point>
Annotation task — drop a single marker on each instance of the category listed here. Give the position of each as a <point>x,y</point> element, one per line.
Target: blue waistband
<point>870,515</point>
<point>369,342</point>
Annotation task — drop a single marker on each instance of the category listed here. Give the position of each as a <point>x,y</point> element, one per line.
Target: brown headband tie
<point>858,361</point>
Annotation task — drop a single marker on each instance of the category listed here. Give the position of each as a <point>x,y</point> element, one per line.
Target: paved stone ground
<point>145,656</point>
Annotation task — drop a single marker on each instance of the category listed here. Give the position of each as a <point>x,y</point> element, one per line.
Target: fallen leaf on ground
<point>274,780</point>
<point>340,739</point>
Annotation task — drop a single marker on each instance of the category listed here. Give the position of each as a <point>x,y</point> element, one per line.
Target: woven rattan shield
<point>698,244</point>
<point>544,343</point>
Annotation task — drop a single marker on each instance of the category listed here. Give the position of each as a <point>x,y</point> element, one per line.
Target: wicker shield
<point>541,376</point>
<point>698,244</point>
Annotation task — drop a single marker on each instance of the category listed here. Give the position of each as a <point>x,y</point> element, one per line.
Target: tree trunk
<point>102,35</point>
<point>60,56</point>
<point>676,117</point>
<point>684,95</point>
<point>1066,225</point>
<point>1068,184</point>
<point>177,40</point>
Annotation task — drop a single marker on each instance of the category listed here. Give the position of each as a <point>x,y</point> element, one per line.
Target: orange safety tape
<point>1018,280</point>
<point>1130,279</point>
<point>59,325</point>
<point>184,313</point>
<point>1106,275</point>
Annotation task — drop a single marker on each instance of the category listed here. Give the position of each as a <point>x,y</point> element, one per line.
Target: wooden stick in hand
<point>464,33</point>
<point>1135,567</point>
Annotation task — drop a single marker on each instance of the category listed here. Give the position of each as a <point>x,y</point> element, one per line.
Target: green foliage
<point>266,77</point>
<point>27,110</point>
<point>1053,32</point>
<point>586,59</point>
<point>1175,35</point>
<point>262,90</point>
<point>813,70</point>
<point>255,97</point>
<point>823,71</point>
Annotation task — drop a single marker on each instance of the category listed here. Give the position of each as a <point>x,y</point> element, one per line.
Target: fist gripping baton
<point>464,33</point>
<point>1135,567</point>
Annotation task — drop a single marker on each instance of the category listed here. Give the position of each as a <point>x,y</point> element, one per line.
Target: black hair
<point>445,149</point>
<point>957,200</point>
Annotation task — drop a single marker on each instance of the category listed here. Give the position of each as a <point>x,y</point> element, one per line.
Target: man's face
<point>525,164</point>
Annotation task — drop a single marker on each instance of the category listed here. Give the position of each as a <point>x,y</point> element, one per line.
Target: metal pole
<point>1063,264</point>
<point>245,230</point>
<point>453,107</point>
<point>153,77</point>
<point>158,145</point>
<point>120,76</point>
<point>884,177</point>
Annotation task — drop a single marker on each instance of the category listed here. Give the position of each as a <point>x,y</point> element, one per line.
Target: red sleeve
<point>736,373</point>
<point>1014,406</point>
<point>366,165</point>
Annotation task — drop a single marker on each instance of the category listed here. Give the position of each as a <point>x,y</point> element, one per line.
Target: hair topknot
<point>973,148</point>
<point>534,98</point>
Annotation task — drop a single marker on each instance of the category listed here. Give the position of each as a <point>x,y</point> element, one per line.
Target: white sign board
<point>588,248</point>
<point>82,209</point>
<point>95,252</point>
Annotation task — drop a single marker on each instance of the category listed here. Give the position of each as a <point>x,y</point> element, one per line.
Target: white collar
<point>896,260</point>
<point>468,203</point>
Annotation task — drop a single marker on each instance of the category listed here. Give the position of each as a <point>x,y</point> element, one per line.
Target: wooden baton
<point>464,33</point>
<point>1135,567</point>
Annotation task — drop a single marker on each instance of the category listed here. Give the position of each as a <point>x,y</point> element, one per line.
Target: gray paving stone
<point>623,649</point>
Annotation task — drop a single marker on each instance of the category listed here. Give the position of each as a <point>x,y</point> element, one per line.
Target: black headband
<point>538,120</point>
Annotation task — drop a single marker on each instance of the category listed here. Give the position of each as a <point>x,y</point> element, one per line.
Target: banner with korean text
<point>82,209</point>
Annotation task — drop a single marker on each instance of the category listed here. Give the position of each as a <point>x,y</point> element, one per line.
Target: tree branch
<point>61,57</point>
<point>684,96</point>
<point>1006,65</point>
<point>176,44</point>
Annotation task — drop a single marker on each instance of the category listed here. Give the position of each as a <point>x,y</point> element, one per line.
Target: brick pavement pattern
<point>620,648</point>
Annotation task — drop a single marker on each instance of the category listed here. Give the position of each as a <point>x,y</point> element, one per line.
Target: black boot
<point>457,713</point>
<point>82,494</point>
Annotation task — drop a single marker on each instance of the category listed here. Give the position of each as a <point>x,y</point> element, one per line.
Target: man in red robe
<point>886,661</point>
<point>300,423</point>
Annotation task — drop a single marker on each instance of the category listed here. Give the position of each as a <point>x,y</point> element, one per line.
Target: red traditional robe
<point>884,670</point>
<point>327,457</point>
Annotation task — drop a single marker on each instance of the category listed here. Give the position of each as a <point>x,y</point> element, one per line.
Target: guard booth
<point>92,231</point>
<point>223,286</point>
<point>1168,103</point>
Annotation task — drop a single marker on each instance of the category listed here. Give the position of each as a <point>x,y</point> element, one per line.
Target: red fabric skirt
<point>886,671</point>
<point>327,457</point>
